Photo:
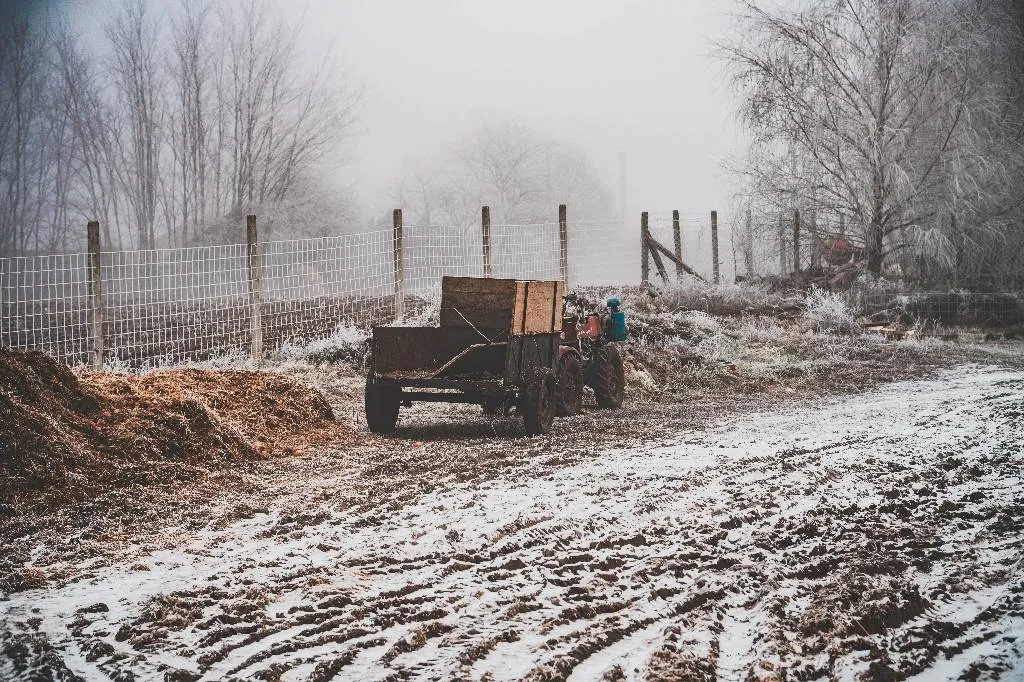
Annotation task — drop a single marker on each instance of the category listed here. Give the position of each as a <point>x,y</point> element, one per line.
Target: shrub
<point>828,312</point>
<point>346,344</point>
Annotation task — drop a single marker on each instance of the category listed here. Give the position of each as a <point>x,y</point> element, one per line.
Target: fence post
<point>255,288</point>
<point>645,266</point>
<point>815,241</point>
<point>485,225</point>
<point>714,246</point>
<point>563,242</point>
<point>783,264</point>
<point>399,273</point>
<point>96,291</point>
<point>796,241</point>
<point>677,239</point>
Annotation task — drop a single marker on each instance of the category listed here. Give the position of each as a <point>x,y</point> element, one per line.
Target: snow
<point>764,469</point>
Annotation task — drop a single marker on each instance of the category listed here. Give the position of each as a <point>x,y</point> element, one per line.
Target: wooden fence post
<point>815,241</point>
<point>796,241</point>
<point>255,288</point>
<point>677,239</point>
<point>645,250</point>
<point>399,272</point>
<point>783,260</point>
<point>96,291</point>
<point>563,242</point>
<point>485,226</point>
<point>714,246</point>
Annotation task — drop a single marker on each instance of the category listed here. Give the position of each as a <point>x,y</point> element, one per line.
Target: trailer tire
<point>570,385</point>
<point>382,404</point>
<point>538,400</point>
<point>607,377</point>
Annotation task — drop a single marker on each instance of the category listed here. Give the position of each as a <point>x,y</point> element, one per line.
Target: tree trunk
<point>873,247</point>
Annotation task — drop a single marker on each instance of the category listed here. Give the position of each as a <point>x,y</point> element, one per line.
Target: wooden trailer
<point>497,345</point>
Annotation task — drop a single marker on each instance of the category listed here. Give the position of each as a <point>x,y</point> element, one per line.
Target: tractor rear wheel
<point>537,402</point>
<point>570,385</point>
<point>381,402</point>
<point>607,377</point>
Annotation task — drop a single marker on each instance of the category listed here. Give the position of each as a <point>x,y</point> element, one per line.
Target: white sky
<point>635,76</point>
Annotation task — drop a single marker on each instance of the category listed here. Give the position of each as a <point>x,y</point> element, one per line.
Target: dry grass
<point>65,437</point>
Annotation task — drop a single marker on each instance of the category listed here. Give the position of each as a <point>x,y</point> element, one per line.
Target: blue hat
<point>614,302</point>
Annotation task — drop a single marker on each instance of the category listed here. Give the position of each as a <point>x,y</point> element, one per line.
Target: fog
<point>636,77</point>
<point>633,77</point>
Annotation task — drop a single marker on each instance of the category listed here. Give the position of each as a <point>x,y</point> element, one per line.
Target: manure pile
<point>67,437</point>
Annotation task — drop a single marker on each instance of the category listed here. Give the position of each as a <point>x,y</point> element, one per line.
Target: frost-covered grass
<point>829,312</point>
<point>346,344</point>
<point>722,299</point>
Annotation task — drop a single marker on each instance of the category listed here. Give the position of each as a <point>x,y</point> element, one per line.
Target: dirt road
<point>877,536</point>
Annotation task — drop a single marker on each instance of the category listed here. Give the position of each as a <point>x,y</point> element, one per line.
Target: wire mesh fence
<point>43,304</point>
<point>168,306</point>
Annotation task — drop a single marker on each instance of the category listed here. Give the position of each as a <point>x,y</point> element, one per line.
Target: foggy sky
<point>637,77</point>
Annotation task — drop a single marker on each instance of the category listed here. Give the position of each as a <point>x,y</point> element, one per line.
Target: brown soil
<point>68,437</point>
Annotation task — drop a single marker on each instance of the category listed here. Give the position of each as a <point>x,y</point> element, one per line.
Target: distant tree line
<point>522,174</point>
<point>168,130</point>
<point>904,118</point>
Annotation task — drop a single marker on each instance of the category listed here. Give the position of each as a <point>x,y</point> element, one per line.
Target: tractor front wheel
<point>381,402</point>
<point>537,402</point>
<point>607,377</point>
<point>570,385</point>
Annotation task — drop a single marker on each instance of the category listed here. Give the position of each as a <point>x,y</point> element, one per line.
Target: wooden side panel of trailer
<point>498,307</point>
<point>484,303</point>
<point>417,350</point>
<point>529,352</point>
<point>538,307</point>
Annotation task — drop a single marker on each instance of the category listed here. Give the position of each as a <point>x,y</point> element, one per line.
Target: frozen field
<point>874,536</point>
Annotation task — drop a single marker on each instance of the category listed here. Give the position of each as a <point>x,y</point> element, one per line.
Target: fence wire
<point>168,306</point>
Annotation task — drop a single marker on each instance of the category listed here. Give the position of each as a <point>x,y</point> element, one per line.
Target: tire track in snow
<point>879,532</point>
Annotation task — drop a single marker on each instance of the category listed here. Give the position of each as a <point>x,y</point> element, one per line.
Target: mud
<point>876,536</point>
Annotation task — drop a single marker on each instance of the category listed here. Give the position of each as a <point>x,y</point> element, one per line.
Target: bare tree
<point>284,118</point>
<point>22,133</point>
<point>190,127</point>
<point>521,174</point>
<point>134,68</point>
<point>96,191</point>
<point>880,110</point>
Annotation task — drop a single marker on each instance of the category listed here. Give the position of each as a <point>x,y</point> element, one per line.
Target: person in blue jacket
<point>615,324</point>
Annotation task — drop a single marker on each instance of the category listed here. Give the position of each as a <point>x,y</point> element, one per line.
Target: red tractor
<point>587,356</point>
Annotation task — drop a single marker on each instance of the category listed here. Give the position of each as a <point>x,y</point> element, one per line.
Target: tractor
<point>587,356</point>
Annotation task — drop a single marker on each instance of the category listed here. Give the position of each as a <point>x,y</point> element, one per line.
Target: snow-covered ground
<point>877,535</point>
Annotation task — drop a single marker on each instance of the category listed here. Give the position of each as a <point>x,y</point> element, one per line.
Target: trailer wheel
<point>607,377</point>
<point>538,402</point>
<point>570,385</point>
<point>381,403</point>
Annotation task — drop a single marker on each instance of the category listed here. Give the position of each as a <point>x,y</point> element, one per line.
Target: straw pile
<point>65,437</point>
